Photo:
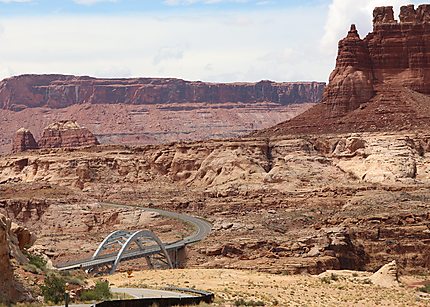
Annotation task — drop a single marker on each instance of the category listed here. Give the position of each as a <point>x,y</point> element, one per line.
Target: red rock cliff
<point>395,53</point>
<point>58,91</point>
<point>380,83</point>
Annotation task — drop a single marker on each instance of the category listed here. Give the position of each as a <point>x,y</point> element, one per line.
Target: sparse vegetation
<point>242,302</point>
<point>36,263</point>
<point>100,292</point>
<point>425,289</point>
<point>53,289</point>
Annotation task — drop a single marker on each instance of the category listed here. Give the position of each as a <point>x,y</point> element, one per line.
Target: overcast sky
<point>210,40</point>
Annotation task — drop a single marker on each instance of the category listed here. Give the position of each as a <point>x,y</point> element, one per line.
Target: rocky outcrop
<point>62,134</point>
<point>66,134</point>
<point>23,141</point>
<point>393,53</point>
<point>11,237</point>
<point>7,287</point>
<point>387,276</point>
<point>380,83</point>
<point>298,204</point>
<point>59,91</point>
<point>351,83</point>
<point>398,49</point>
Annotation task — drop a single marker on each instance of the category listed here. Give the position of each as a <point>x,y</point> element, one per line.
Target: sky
<point>209,40</point>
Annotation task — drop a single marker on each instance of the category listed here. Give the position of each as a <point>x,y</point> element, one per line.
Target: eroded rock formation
<point>380,83</point>
<point>59,91</point>
<point>394,53</point>
<point>66,134</point>
<point>7,287</point>
<point>23,141</point>
<point>351,83</point>
<point>62,134</point>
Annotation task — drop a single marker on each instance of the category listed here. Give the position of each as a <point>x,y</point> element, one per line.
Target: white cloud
<point>343,13</point>
<point>235,46</point>
<point>91,2</point>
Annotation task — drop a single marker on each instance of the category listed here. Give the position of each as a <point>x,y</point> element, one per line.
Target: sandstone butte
<point>60,91</point>
<point>380,83</point>
<point>62,134</point>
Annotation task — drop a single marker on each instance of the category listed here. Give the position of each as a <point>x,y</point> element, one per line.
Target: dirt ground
<point>232,286</point>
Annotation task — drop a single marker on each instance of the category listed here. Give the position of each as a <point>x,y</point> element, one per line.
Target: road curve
<point>201,226</point>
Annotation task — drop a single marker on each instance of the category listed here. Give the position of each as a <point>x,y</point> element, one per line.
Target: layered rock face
<point>380,83</point>
<point>398,50</point>
<point>62,134</point>
<point>394,53</point>
<point>351,83</point>
<point>59,91</point>
<point>298,204</point>
<point>66,134</point>
<point>23,141</point>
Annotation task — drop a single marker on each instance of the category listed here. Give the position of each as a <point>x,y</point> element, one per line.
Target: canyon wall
<point>59,91</point>
<point>298,204</point>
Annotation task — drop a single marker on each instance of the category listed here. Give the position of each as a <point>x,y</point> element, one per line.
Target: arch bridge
<point>122,245</point>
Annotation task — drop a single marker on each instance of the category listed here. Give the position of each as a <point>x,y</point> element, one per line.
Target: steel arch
<point>135,238</point>
<point>111,239</point>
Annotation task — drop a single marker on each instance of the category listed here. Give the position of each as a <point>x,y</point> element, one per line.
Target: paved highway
<point>150,293</point>
<point>202,230</point>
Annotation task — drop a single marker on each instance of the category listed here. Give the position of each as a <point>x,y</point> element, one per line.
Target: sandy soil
<point>230,286</point>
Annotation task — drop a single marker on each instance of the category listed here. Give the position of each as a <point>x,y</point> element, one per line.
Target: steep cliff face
<point>380,83</point>
<point>59,91</point>
<point>399,50</point>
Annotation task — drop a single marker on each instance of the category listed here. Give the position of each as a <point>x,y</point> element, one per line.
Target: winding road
<point>202,230</point>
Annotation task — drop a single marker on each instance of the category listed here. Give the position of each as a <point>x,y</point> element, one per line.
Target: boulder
<point>387,276</point>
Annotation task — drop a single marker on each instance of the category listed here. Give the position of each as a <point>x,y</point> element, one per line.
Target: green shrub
<point>100,292</point>
<point>37,261</point>
<point>53,289</point>
<point>425,289</point>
